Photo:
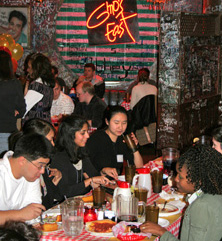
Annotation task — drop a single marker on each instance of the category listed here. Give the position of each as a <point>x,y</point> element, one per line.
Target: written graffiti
<point>117,26</point>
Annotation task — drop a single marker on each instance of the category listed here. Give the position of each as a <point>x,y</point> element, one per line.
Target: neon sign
<point>114,20</point>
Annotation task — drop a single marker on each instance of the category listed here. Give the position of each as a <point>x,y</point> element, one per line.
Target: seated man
<point>19,178</point>
<point>62,104</point>
<point>90,106</point>
<point>96,80</point>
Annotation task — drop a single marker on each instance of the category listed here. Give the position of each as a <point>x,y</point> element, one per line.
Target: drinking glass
<point>152,213</point>
<point>98,197</point>
<point>129,173</point>
<point>170,157</point>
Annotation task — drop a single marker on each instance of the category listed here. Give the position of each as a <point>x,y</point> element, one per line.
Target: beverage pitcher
<point>143,180</point>
<point>127,208</point>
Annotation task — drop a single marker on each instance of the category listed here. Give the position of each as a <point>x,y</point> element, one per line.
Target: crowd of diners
<point>41,165</point>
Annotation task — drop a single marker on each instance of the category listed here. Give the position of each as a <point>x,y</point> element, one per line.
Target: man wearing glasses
<point>19,178</point>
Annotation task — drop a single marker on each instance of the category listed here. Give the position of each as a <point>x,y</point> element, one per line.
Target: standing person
<point>12,103</point>
<point>19,178</point>
<point>199,173</point>
<point>96,80</point>
<point>143,87</point>
<point>78,174</point>
<point>40,90</point>
<point>106,148</point>
<point>90,106</point>
<point>62,104</point>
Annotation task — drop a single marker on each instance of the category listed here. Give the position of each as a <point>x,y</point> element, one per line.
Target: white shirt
<point>141,90</point>
<point>16,193</point>
<point>63,105</point>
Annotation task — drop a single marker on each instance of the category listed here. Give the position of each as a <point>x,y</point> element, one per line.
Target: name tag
<point>119,158</point>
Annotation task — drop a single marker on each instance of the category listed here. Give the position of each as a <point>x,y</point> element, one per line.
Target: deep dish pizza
<point>101,226</point>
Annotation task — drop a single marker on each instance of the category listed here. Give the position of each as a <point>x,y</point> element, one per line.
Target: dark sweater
<point>11,99</point>
<point>72,182</point>
<point>93,111</point>
<point>103,152</point>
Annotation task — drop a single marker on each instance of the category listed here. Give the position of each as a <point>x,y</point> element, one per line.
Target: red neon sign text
<point>112,29</point>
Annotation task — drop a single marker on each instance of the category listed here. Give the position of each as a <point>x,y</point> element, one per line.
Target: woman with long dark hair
<point>78,174</point>
<point>40,90</point>
<point>12,103</point>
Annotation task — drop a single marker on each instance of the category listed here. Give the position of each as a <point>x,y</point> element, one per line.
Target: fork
<point>164,205</point>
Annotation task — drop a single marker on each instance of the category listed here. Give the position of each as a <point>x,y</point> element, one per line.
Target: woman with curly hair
<point>200,174</point>
<point>39,92</point>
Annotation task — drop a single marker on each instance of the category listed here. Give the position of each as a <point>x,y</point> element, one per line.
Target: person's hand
<point>57,175</point>
<point>150,227</point>
<point>16,112</point>
<point>134,138</point>
<point>110,172</point>
<point>31,211</point>
<point>101,180</point>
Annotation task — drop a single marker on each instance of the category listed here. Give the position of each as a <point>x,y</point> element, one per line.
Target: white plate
<point>170,210</point>
<point>36,225</point>
<point>110,234</point>
<point>163,222</point>
<point>122,178</point>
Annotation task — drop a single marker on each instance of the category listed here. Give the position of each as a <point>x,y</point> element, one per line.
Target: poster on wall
<point>111,22</point>
<point>16,22</point>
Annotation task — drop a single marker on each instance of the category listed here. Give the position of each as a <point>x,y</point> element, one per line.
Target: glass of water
<point>72,216</point>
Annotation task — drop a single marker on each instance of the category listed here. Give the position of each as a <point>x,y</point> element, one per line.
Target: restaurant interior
<point>179,41</point>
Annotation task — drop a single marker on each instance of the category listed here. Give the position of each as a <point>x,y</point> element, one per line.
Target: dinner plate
<point>163,222</point>
<point>37,226</point>
<point>169,210</point>
<point>110,234</point>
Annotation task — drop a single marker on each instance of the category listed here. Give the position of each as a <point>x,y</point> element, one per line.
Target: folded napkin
<point>168,196</point>
<point>178,204</point>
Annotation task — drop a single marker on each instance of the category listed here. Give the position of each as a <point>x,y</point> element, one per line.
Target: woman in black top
<point>107,148</point>
<point>78,174</point>
<point>12,103</point>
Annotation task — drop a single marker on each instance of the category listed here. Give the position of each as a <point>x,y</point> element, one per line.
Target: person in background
<point>19,178</point>
<point>199,173</point>
<point>55,71</point>
<point>17,21</point>
<point>12,103</point>
<point>40,90</point>
<point>62,104</point>
<point>96,80</point>
<point>143,88</point>
<point>217,139</point>
<point>106,148</point>
<point>78,173</point>
<point>90,106</point>
<point>51,177</point>
<point>19,231</point>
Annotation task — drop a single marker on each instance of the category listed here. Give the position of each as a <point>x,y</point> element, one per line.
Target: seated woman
<point>51,176</point>
<point>199,173</point>
<point>106,147</point>
<point>78,173</point>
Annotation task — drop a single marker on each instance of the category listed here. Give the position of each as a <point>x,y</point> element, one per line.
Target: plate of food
<point>169,210</point>
<point>101,228</point>
<point>163,222</point>
<point>52,222</point>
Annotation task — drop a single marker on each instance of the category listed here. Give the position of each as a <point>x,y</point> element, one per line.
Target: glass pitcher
<point>72,216</point>
<point>127,208</point>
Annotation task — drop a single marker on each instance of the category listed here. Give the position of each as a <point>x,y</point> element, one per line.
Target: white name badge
<point>119,158</point>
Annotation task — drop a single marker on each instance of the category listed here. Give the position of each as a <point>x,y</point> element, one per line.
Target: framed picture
<point>15,20</point>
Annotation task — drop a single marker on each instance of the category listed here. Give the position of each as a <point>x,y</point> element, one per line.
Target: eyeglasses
<point>39,167</point>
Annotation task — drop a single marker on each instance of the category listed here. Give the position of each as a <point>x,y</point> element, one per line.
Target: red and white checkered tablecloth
<point>126,105</point>
<point>60,235</point>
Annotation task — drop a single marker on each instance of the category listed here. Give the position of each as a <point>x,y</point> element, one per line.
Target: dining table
<point>174,226</point>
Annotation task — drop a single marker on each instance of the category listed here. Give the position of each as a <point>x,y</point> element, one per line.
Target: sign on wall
<point>111,21</point>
